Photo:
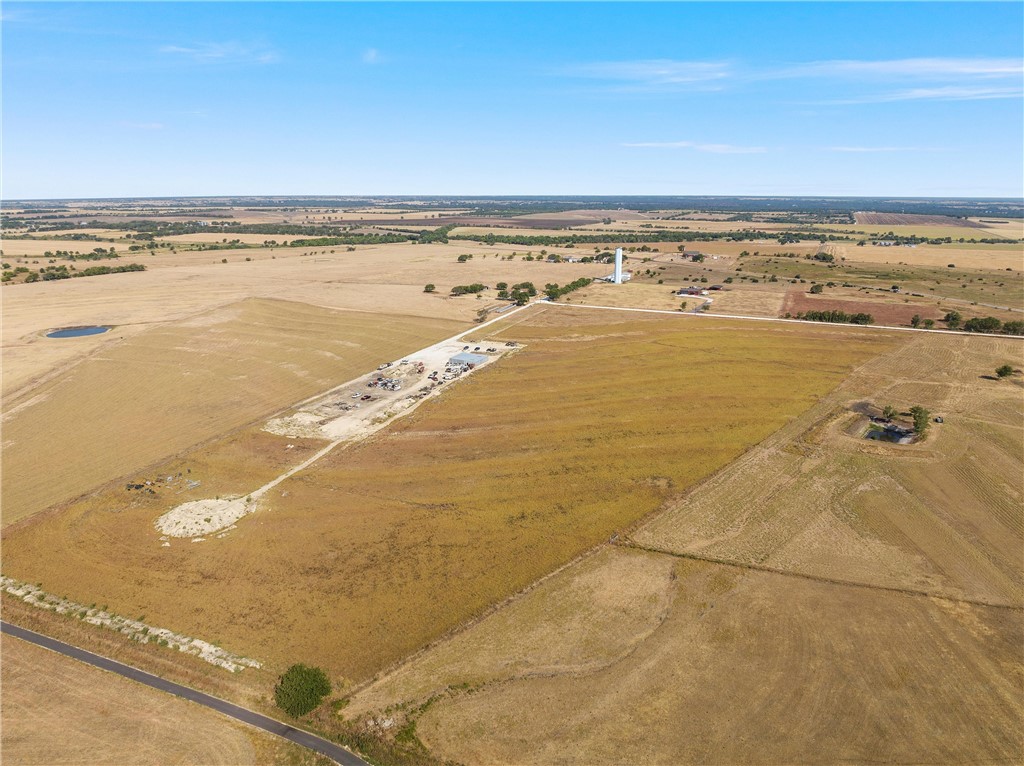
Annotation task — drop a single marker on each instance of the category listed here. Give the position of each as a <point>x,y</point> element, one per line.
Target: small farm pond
<point>77,332</point>
<point>892,435</point>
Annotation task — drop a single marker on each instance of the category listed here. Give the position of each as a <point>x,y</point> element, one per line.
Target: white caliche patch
<point>203,517</point>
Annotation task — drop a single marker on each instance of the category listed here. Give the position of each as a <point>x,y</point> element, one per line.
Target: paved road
<point>299,737</point>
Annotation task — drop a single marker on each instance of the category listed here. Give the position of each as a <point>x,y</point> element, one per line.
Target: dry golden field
<point>385,546</point>
<point>823,599</point>
<point>170,387</point>
<point>966,255</point>
<point>58,712</point>
<point>386,279</point>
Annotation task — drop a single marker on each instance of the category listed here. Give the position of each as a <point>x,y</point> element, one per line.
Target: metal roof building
<point>474,359</point>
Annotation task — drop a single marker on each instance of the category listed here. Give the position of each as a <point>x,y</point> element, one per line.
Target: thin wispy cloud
<point>654,73</point>
<point>372,56</point>
<point>710,148</point>
<point>223,53</point>
<point>920,68</point>
<point>945,79</point>
<point>875,149</point>
<point>941,93</point>
<point>143,125</point>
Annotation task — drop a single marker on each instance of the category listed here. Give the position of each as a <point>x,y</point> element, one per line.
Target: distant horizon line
<point>889,197</point>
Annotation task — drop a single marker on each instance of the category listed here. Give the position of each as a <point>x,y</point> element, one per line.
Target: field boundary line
<point>286,731</point>
<point>894,328</point>
<point>814,578</point>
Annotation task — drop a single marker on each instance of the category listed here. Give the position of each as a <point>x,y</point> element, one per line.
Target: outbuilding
<point>467,360</point>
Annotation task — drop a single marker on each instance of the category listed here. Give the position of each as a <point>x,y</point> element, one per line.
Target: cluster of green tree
<point>476,287</point>
<point>48,274</point>
<point>604,257</point>
<point>169,228</point>
<point>519,294</point>
<point>917,321</point>
<point>836,316</point>
<point>301,689</point>
<point>440,234</point>
<point>98,254</point>
<point>76,237</point>
<point>554,292</point>
<point>955,321</point>
<point>825,257</point>
<point>464,257</point>
<point>348,239</point>
<point>661,235</point>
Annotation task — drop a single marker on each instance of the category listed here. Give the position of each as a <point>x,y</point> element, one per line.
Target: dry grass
<point>379,549</point>
<point>58,711</point>
<point>855,636</point>
<point>941,517</point>
<point>173,386</point>
<point>965,256</point>
<point>760,668</point>
<point>386,280</point>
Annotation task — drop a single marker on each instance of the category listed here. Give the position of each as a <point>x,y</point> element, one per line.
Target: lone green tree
<point>920,415</point>
<point>889,412</point>
<point>429,288</point>
<point>1004,371</point>
<point>952,319</point>
<point>301,689</point>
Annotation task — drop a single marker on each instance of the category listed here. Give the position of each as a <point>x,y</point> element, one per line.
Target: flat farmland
<point>913,219</point>
<point>962,254</point>
<point>60,712</point>
<point>386,545</point>
<point>884,311</point>
<point>170,387</point>
<point>868,596</point>
<point>384,280</point>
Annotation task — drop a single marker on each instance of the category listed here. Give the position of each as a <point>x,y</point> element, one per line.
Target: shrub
<point>1004,371</point>
<point>301,689</point>
<point>429,288</point>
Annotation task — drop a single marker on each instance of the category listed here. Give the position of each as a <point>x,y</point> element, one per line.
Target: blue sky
<point>154,99</point>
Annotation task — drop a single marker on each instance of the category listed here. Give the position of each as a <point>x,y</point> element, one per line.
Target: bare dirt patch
<point>798,300</point>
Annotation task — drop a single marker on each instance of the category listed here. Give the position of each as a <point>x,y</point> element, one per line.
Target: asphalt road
<point>290,733</point>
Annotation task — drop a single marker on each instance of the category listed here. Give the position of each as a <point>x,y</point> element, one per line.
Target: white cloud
<point>654,73</point>
<point>371,56</point>
<point>711,148</point>
<point>227,52</point>
<point>938,93</point>
<point>922,68</point>
<point>940,79</point>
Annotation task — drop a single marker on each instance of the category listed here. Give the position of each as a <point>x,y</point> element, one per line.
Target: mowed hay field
<point>57,711</point>
<point>170,387</point>
<point>942,516</point>
<point>379,548</point>
<point>821,600</point>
